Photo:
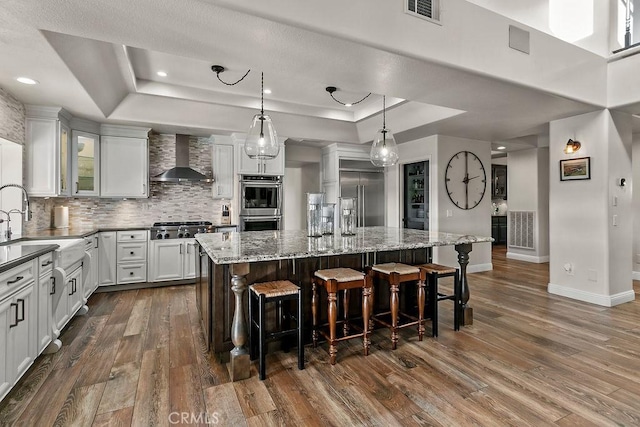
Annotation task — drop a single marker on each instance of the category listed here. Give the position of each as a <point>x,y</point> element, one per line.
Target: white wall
<point>636,206</point>
<point>528,190</point>
<point>438,149</point>
<point>10,173</point>
<point>297,182</point>
<point>473,221</point>
<point>535,13</point>
<point>581,227</point>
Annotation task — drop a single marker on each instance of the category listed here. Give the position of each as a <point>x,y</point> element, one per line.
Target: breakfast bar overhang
<point>231,261</point>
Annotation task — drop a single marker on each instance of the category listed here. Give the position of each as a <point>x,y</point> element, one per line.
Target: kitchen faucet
<point>25,212</point>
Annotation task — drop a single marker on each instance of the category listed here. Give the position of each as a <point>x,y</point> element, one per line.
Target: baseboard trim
<point>477,268</point>
<point>635,275</point>
<point>590,297</point>
<point>528,258</point>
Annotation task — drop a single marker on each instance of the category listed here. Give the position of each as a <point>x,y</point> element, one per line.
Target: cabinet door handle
<point>131,273</point>
<point>144,188</point>
<point>133,237</point>
<point>48,262</point>
<point>53,285</point>
<point>21,318</point>
<point>180,248</point>
<point>131,252</point>
<point>15,318</point>
<point>71,283</point>
<point>17,279</point>
<point>97,242</point>
<point>77,188</point>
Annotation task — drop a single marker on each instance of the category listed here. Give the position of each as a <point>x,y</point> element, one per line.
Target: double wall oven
<point>260,202</point>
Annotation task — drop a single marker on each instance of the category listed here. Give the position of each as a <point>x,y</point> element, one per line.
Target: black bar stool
<point>267,292</point>
<point>435,272</point>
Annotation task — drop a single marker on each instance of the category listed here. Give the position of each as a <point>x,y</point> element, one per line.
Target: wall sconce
<point>572,146</point>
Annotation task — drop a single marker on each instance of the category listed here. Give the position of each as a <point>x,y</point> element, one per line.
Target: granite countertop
<point>77,232</point>
<point>12,255</point>
<point>253,246</point>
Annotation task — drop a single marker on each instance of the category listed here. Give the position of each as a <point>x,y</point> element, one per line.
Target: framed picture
<point>573,169</point>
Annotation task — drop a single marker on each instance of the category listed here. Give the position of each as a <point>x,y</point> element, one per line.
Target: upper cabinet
<point>124,163</point>
<point>248,166</point>
<point>65,156</point>
<point>499,182</point>
<point>48,147</point>
<point>222,168</point>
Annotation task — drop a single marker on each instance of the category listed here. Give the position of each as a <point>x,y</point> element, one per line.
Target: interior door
<point>372,199</point>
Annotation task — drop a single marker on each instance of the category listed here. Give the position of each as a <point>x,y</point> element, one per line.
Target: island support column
<point>463,259</point>
<point>240,361</point>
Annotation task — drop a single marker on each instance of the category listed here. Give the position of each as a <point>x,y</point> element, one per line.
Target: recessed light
<point>502,147</point>
<point>348,105</point>
<point>162,73</point>
<point>267,91</point>
<point>27,81</point>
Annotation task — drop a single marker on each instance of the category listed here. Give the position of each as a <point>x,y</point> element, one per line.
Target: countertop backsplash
<point>191,201</point>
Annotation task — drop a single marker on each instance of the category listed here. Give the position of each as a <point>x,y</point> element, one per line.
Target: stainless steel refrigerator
<point>365,182</point>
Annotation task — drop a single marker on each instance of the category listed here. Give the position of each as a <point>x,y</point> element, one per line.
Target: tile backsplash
<point>191,201</point>
<point>11,118</point>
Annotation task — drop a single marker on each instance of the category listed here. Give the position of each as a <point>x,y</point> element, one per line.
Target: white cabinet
<point>85,164</point>
<point>173,259</point>
<point>131,256</point>
<point>70,298</point>
<point>47,148</point>
<point>249,166</point>
<point>46,289</point>
<point>18,323</point>
<point>90,284</point>
<point>106,265</point>
<point>124,167</point>
<point>223,171</point>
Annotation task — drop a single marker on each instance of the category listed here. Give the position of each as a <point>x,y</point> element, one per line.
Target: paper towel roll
<point>61,217</point>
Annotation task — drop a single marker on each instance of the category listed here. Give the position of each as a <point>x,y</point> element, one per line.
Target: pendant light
<point>384,151</point>
<point>262,141</point>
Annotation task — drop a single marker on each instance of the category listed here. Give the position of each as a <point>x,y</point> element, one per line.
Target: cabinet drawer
<point>131,252</point>
<point>45,263</point>
<point>131,273</point>
<point>13,279</point>
<point>132,236</point>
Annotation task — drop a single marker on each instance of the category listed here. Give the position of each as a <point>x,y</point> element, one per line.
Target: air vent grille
<point>423,8</point>
<point>521,224</point>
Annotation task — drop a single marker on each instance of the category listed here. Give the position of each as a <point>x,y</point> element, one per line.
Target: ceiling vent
<point>427,9</point>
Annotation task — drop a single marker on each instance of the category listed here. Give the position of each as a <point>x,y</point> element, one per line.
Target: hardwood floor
<point>530,358</point>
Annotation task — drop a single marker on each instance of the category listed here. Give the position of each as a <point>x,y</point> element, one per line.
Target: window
<point>428,9</point>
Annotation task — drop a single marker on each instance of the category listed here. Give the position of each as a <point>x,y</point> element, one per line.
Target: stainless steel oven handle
<point>260,218</point>
<point>258,184</point>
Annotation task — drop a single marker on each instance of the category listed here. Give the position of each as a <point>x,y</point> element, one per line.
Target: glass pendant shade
<point>384,151</point>
<point>262,141</point>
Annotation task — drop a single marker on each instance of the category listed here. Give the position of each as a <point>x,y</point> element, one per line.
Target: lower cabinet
<point>18,323</point>
<point>70,299</point>
<point>131,256</point>
<point>106,265</point>
<point>173,259</point>
<point>499,230</point>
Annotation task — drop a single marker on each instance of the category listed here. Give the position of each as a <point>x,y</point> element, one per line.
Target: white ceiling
<point>99,60</point>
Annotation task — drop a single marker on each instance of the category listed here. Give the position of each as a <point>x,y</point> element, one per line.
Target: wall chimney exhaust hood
<point>182,172</point>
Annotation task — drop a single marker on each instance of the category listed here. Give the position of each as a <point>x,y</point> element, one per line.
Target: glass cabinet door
<point>85,162</point>
<point>65,142</point>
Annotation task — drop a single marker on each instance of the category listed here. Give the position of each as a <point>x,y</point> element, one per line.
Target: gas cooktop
<point>179,229</point>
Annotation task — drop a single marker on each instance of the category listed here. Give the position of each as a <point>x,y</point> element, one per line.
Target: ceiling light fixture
<point>332,89</point>
<point>262,141</point>
<point>572,146</point>
<point>267,91</point>
<point>384,151</point>
<point>219,69</point>
<point>27,81</point>
<point>502,147</point>
<point>162,73</point>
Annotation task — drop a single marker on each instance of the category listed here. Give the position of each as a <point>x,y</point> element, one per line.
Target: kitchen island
<point>229,261</point>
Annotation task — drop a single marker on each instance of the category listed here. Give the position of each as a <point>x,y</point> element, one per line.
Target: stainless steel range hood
<point>182,172</point>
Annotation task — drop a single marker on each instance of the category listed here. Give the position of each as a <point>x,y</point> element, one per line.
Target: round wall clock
<point>465,180</point>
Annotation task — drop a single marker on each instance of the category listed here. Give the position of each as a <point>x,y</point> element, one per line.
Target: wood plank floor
<point>530,358</point>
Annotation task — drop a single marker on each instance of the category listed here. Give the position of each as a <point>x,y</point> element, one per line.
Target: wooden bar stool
<point>435,272</point>
<point>267,292</point>
<point>335,280</point>
<point>395,274</point>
